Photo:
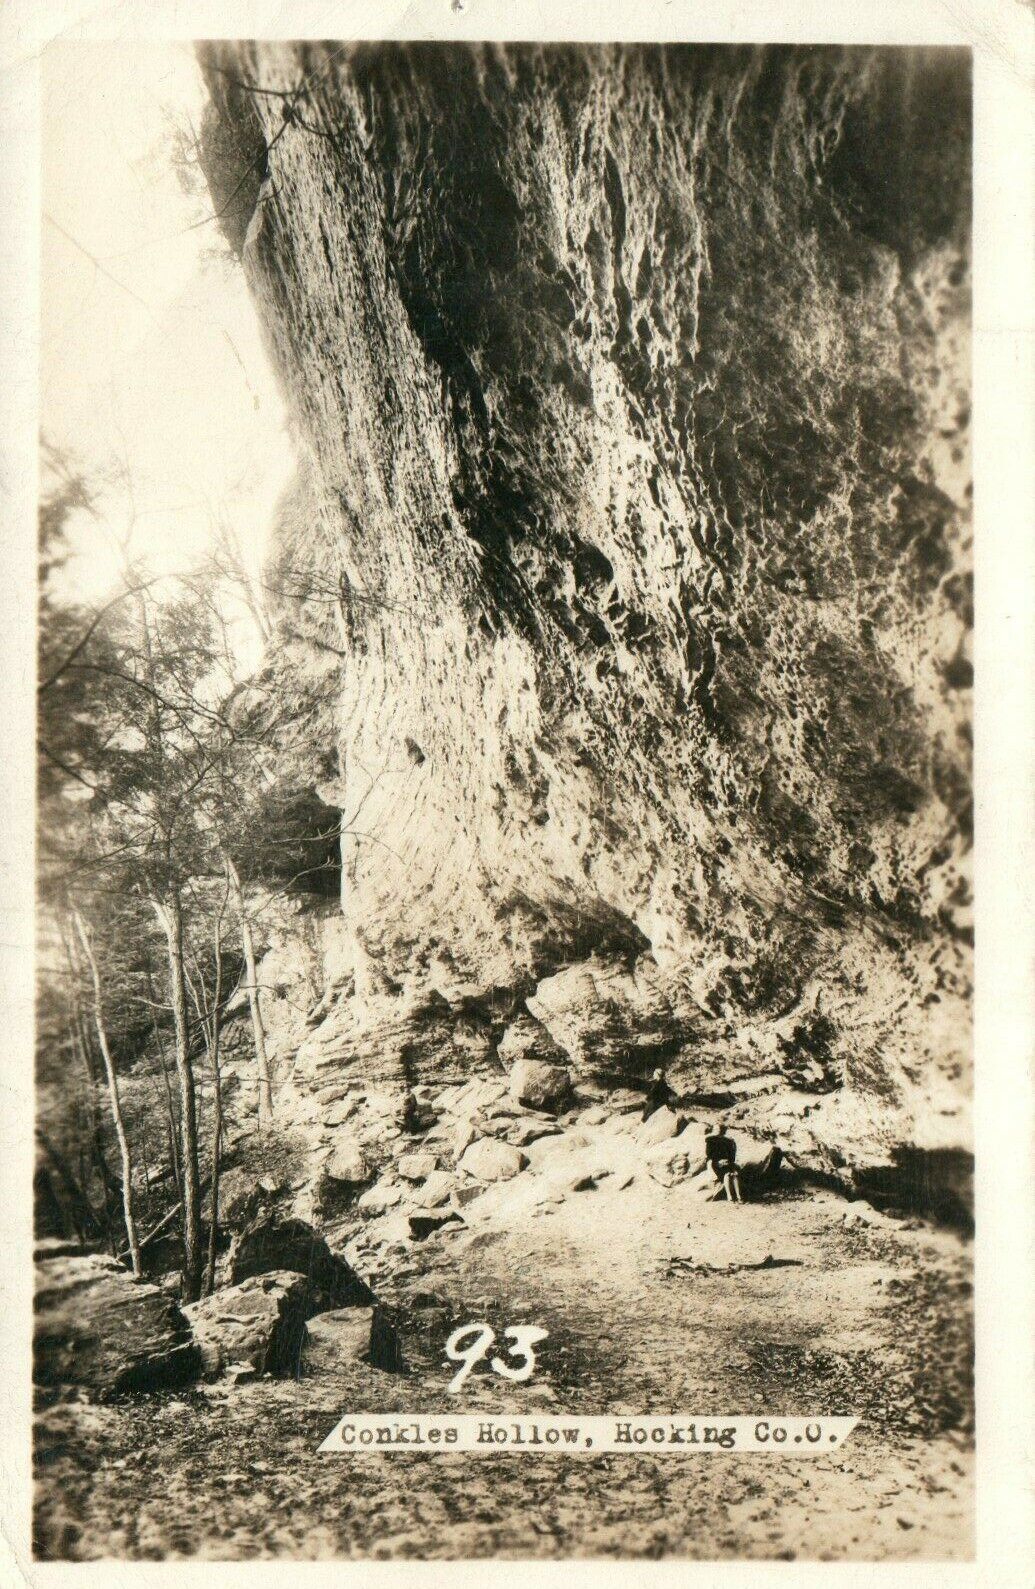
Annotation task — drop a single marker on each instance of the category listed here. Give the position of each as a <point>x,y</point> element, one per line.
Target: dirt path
<point>861,1319</point>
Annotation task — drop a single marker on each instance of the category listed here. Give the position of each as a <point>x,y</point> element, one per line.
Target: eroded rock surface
<point>489,1160</point>
<point>269,1245</point>
<point>97,1327</point>
<point>539,1085</point>
<point>625,587</point>
<point>259,1322</point>
<point>336,1338</point>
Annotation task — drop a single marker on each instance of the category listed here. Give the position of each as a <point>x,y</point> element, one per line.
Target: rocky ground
<point>655,1300</point>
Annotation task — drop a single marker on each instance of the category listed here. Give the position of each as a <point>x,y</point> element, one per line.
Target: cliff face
<point>629,557</point>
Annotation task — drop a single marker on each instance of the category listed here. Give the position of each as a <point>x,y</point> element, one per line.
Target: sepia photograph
<point>504,802</point>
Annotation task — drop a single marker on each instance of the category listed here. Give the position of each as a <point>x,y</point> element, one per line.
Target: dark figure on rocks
<point>720,1152</point>
<point>659,1095</point>
<point>417,1117</point>
<point>410,1113</point>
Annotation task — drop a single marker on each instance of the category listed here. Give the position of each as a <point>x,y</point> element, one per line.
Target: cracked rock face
<point>629,556</point>
<point>97,1327</point>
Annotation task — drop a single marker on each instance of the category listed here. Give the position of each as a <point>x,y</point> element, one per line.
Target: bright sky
<point>151,357</point>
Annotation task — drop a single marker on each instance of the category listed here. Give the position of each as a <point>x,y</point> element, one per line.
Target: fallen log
<point>165,1220</point>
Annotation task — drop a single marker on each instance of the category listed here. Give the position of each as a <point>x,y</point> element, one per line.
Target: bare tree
<point>113,1094</point>
<point>262,1063</point>
<point>79,1045</point>
<point>210,1017</point>
<point>169,912</point>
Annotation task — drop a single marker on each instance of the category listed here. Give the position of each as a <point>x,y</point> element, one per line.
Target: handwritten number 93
<point>480,1339</point>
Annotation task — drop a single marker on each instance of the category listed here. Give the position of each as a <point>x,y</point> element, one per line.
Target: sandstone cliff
<point>627,571</point>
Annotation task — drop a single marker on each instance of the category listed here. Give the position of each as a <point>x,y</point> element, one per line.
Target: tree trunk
<point>169,913</point>
<point>113,1095</point>
<point>80,1039</point>
<point>174,1157</point>
<point>172,1125</point>
<point>262,1063</point>
<point>217,1111</point>
<point>109,1186</point>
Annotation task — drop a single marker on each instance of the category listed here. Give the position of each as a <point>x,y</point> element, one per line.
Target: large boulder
<point>538,1085</point>
<point>417,1166</point>
<point>98,1327</point>
<point>435,1190</point>
<point>488,1159</point>
<point>337,1186</point>
<point>461,1139</point>
<point>261,1322</point>
<point>380,1196</point>
<point>476,1096</point>
<point>659,1126</point>
<point>524,1132</point>
<point>341,1110</point>
<point>347,1163</point>
<point>269,1244</point>
<point>527,1038</point>
<point>669,1162</point>
<point>242,1193</point>
<point>333,1339</point>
